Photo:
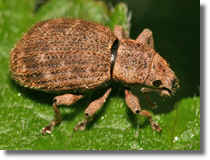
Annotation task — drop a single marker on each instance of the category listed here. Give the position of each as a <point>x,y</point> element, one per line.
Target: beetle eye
<point>157,83</point>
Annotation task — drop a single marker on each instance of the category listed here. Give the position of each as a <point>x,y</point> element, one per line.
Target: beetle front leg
<point>91,109</point>
<point>146,38</point>
<point>133,103</point>
<point>66,99</point>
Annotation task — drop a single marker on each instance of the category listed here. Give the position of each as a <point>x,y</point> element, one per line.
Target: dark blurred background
<point>176,30</point>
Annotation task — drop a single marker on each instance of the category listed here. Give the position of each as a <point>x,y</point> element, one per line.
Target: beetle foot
<point>47,129</point>
<point>155,126</point>
<point>81,125</point>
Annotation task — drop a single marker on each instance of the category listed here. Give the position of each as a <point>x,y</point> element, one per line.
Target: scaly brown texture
<point>64,55</point>
<point>133,61</point>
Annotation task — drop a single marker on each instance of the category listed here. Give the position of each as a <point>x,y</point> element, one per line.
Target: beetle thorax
<point>133,62</point>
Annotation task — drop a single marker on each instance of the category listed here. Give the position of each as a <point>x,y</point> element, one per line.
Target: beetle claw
<point>81,125</point>
<point>155,126</point>
<point>47,129</point>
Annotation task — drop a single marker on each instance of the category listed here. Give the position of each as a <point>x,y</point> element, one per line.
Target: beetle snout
<point>174,85</point>
<point>170,91</point>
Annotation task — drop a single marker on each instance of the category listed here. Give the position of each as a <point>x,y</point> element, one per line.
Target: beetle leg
<point>146,38</point>
<point>66,99</point>
<point>118,31</point>
<point>91,109</point>
<point>133,103</point>
<point>154,125</point>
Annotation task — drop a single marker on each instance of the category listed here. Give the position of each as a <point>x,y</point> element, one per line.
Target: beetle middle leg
<point>133,103</point>
<point>119,32</point>
<point>66,99</point>
<point>146,38</point>
<point>91,109</point>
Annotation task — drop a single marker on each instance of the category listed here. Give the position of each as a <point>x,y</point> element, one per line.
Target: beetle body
<point>77,56</point>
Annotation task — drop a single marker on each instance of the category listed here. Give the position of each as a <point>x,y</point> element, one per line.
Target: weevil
<point>73,57</point>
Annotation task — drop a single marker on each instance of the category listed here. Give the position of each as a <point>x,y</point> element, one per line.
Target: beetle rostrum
<point>73,57</point>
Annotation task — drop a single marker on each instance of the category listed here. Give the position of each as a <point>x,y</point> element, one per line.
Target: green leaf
<point>23,112</point>
<point>186,127</point>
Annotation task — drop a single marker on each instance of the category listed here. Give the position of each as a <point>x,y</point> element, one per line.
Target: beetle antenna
<point>145,90</point>
<point>153,105</point>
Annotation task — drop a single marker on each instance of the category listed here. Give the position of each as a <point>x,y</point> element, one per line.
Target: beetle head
<point>162,77</point>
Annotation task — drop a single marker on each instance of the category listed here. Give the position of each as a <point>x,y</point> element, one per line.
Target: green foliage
<point>23,112</point>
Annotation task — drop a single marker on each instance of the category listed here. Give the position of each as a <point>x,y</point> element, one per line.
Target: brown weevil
<point>75,57</point>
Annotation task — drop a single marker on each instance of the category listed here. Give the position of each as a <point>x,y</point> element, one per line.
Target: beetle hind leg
<point>91,109</point>
<point>133,103</point>
<point>66,99</point>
